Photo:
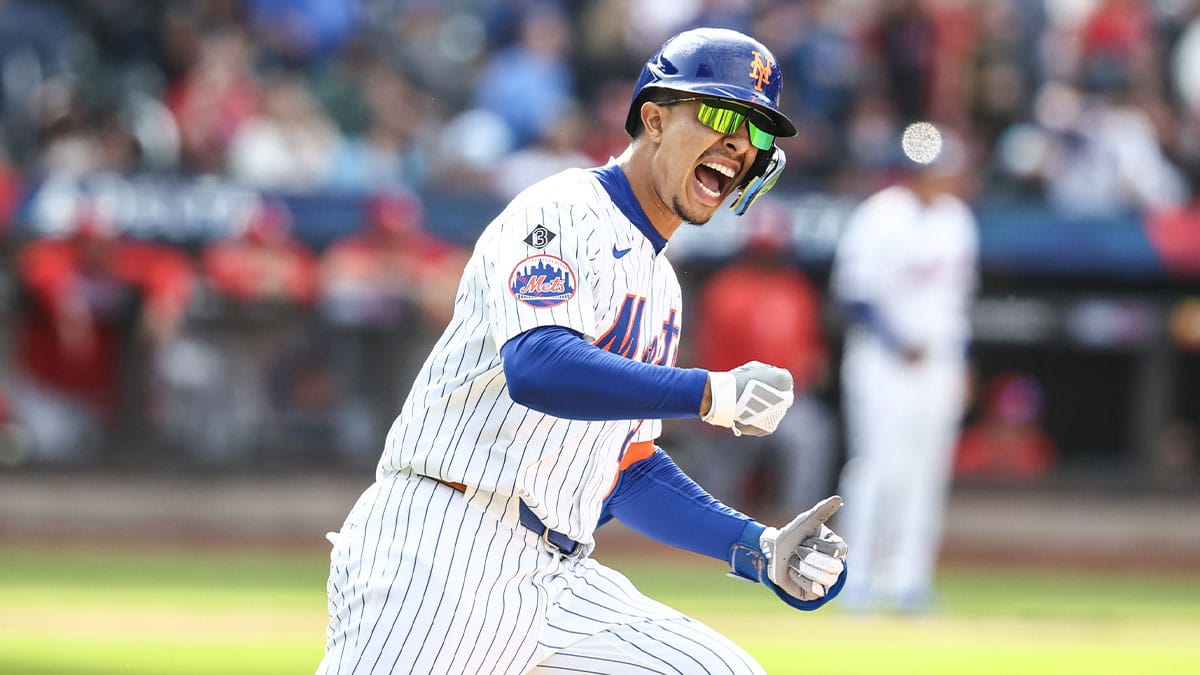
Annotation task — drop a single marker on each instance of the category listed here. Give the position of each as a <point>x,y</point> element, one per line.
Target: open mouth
<point>713,179</point>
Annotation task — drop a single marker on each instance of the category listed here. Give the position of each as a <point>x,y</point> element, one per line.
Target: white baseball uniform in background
<point>427,579</point>
<point>915,265</point>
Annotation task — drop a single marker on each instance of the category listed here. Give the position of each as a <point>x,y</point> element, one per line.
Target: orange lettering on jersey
<point>670,330</point>
<point>760,70</point>
<point>623,337</point>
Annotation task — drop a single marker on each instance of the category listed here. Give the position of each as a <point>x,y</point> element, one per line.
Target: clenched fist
<point>750,399</point>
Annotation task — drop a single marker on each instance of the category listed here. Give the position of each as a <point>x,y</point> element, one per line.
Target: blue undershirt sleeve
<point>551,369</point>
<point>869,317</point>
<point>657,499</point>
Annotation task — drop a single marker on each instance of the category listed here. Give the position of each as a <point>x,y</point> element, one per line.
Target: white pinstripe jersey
<point>916,264</point>
<point>564,254</point>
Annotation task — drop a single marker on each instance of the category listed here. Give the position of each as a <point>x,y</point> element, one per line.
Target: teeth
<point>710,193</point>
<point>721,169</point>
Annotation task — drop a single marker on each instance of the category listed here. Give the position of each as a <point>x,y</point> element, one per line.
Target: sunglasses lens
<point>727,121</point>
<point>723,120</point>
<point>759,138</point>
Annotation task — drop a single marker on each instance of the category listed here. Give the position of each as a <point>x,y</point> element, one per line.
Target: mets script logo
<point>760,71</point>
<point>542,281</point>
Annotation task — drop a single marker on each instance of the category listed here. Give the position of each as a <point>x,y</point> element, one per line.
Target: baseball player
<point>906,270</point>
<point>533,421</point>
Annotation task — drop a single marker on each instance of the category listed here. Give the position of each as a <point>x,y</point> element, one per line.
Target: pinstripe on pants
<point>421,581</point>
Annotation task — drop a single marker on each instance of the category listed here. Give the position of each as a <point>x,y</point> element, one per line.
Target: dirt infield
<point>295,510</point>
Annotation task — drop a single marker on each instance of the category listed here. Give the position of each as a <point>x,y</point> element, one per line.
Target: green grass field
<point>86,613</point>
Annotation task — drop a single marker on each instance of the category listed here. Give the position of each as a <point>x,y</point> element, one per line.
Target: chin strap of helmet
<point>763,174</point>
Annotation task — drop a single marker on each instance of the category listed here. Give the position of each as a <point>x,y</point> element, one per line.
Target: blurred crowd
<point>1092,105</point>
<point>121,345</point>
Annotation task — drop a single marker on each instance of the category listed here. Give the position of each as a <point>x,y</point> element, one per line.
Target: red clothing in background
<point>81,291</point>
<point>247,271</point>
<point>996,450</point>
<point>381,274</point>
<point>10,195</point>
<point>763,313</point>
<point>1007,444</point>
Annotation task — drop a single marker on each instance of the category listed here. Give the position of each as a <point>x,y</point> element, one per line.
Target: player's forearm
<point>656,498</point>
<point>869,316</point>
<point>554,371</point>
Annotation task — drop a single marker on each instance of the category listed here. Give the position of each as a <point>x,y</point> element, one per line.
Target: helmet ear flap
<point>759,167</point>
<point>759,180</point>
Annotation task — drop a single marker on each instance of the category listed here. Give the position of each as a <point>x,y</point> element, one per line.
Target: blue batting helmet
<point>714,62</point>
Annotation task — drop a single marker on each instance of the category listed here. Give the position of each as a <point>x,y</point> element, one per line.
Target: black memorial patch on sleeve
<point>540,237</point>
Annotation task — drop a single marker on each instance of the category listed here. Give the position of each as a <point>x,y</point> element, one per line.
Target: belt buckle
<point>576,554</point>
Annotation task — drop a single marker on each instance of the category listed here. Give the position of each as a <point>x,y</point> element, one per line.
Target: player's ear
<point>652,120</point>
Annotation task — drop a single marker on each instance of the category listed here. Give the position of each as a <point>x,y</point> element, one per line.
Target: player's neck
<point>637,172</point>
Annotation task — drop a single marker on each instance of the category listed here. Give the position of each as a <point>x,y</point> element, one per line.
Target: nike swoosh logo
<point>620,252</point>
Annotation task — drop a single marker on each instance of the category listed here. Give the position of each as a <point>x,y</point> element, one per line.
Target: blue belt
<point>565,545</point>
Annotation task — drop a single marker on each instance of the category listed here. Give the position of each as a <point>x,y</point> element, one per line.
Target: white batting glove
<point>805,557</point>
<point>750,399</point>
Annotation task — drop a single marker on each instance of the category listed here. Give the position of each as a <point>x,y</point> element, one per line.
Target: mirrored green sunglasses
<point>727,117</point>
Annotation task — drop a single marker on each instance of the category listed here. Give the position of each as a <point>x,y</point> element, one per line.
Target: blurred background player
<point>265,264</point>
<point>257,287</point>
<point>1007,443</point>
<point>79,373</point>
<point>762,306</point>
<point>906,272</point>
<point>14,445</point>
<point>387,290</point>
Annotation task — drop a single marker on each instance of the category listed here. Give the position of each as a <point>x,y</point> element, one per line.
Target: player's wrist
<point>750,399</point>
<point>766,541</point>
<point>721,394</point>
<point>746,558</point>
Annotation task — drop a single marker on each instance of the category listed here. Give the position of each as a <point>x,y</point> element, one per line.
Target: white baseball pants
<point>422,582</point>
<point>902,422</point>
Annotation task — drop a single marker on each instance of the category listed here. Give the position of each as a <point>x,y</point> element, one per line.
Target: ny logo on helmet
<point>760,70</point>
